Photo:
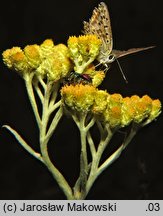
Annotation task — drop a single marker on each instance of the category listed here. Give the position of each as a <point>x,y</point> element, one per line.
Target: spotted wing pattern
<point>99,24</point>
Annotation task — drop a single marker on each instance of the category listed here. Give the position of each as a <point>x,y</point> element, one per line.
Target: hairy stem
<point>118,152</point>
<point>28,82</point>
<point>55,172</point>
<point>44,138</point>
<point>80,186</point>
<point>24,144</point>
<point>91,144</point>
<point>83,156</point>
<point>96,170</point>
<point>96,159</point>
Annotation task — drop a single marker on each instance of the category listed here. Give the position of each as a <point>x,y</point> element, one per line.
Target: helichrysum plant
<point>65,80</point>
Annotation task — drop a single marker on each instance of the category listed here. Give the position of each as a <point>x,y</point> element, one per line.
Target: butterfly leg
<point>98,64</point>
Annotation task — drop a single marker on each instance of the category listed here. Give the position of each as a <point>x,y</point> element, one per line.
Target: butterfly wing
<point>99,24</point>
<point>119,53</point>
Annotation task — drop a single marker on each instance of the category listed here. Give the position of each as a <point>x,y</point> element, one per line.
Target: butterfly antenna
<point>124,77</point>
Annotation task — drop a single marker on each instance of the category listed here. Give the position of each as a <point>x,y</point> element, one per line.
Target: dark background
<point>138,173</point>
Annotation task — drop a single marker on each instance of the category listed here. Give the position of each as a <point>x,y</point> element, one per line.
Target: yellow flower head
<point>32,53</point>
<point>7,55</point>
<point>156,109</point>
<point>114,117</point>
<point>135,99</point>
<point>98,78</point>
<point>79,98</point>
<point>89,45</point>
<point>46,48</point>
<point>113,114</point>
<point>128,111</point>
<point>83,51</point>
<point>107,108</point>
<point>142,107</point>
<point>100,102</point>
<point>57,65</point>
<point>115,100</point>
<point>15,59</point>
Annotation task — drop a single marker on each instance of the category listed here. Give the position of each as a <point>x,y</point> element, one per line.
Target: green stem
<point>24,144</point>
<point>110,160</point>
<point>118,152</point>
<point>91,144</point>
<point>80,186</point>
<point>102,145</point>
<point>28,82</point>
<point>53,107</point>
<point>80,68</point>
<point>39,93</point>
<point>54,123</point>
<point>90,124</point>
<point>44,138</point>
<point>43,84</point>
<point>132,133</point>
<point>54,95</point>
<point>96,171</point>
<point>48,107</point>
<point>55,172</point>
<point>83,156</point>
<point>96,159</point>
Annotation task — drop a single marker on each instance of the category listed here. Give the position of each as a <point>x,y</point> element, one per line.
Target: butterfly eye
<point>111,58</point>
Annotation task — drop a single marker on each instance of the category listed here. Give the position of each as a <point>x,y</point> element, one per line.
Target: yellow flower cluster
<point>47,60</point>
<point>120,112</point>
<point>112,109</point>
<point>83,51</point>
<point>79,98</point>
<point>57,64</point>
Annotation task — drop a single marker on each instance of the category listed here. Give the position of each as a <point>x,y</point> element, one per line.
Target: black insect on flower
<point>76,78</point>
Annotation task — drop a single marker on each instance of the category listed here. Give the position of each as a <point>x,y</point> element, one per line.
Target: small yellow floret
<point>15,59</point>
<point>7,54</point>
<point>115,100</point>
<point>32,52</point>
<point>46,48</point>
<point>115,117</point>
<point>100,102</point>
<point>47,43</point>
<point>72,40</point>
<point>156,109</point>
<point>98,78</point>
<point>128,111</point>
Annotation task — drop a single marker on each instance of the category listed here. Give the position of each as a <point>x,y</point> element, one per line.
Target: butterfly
<point>100,25</point>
